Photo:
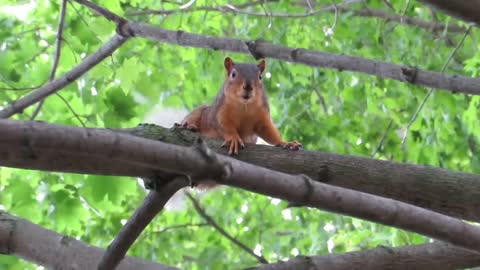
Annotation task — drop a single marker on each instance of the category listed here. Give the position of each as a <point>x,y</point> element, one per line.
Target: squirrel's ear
<point>228,62</point>
<point>262,65</point>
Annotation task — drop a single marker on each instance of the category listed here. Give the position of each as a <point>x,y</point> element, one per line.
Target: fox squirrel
<point>240,111</point>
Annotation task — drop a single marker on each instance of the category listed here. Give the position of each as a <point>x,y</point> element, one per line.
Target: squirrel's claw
<point>291,145</point>
<point>234,142</point>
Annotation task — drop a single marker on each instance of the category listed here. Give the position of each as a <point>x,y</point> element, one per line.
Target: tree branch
<point>466,10</point>
<point>173,227</point>
<point>449,192</point>
<point>261,49</point>
<point>430,91</point>
<point>90,61</point>
<point>202,163</point>
<point>219,229</point>
<point>376,13</point>
<point>432,26</point>
<point>51,250</point>
<point>56,57</point>
<point>229,8</point>
<point>151,206</point>
<point>428,256</point>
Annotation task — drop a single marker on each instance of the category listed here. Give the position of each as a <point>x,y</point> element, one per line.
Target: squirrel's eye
<point>260,76</point>
<point>233,74</point>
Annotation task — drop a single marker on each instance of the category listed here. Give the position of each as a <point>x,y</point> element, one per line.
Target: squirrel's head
<point>243,81</point>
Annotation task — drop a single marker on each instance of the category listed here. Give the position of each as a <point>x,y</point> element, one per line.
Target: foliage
<point>142,75</point>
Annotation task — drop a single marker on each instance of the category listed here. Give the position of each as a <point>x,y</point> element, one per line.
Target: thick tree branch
<point>313,58</point>
<point>438,256</point>
<point>202,163</point>
<point>467,10</point>
<point>260,49</point>
<point>51,87</point>
<point>33,243</point>
<point>220,230</point>
<point>151,206</point>
<point>450,192</point>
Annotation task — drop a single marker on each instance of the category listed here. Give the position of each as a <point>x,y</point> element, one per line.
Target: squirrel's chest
<point>242,116</point>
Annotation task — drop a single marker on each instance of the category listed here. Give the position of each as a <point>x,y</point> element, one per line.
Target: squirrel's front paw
<point>234,142</point>
<point>291,145</point>
<point>186,125</point>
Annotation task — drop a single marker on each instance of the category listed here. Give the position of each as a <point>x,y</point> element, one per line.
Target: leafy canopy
<point>327,110</point>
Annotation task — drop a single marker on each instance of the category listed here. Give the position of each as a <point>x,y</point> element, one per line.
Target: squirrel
<point>240,111</point>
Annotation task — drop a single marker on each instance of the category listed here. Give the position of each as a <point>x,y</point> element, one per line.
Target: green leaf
<point>129,73</point>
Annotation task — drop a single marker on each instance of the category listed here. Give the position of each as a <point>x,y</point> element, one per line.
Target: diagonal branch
<point>56,57</point>
<point>219,229</point>
<point>202,163</point>
<point>151,206</point>
<point>430,91</point>
<point>51,250</point>
<point>90,61</point>
<point>102,11</point>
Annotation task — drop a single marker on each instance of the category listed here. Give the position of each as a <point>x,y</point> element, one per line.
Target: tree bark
<point>450,192</point>
<point>33,243</point>
<point>438,256</point>
<point>466,10</point>
<point>202,163</point>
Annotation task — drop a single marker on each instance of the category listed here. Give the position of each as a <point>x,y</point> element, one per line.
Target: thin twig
<point>71,109</point>
<point>320,97</point>
<point>151,206</point>
<point>321,100</point>
<point>406,8</point>
<point>433,25</point>
<point>238,10</point>
<point>18,88</point>
<point>268,13</point>
<point>34,56</point>
<point>377,13</point>
<point>28,31</point>
<point>56,58</point>
<point>83,20</point>
<point>55,85</point>
<point>417,111</point>
<point>388,4</point>
<point>180,226</point>
<point>107,14</point>
<point>382,140</point>
<point>13,88</point>
<point>217,227</point>
<point>310,7</point>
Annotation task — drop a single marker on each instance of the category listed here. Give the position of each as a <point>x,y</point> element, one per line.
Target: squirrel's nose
<point>247,86</point>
